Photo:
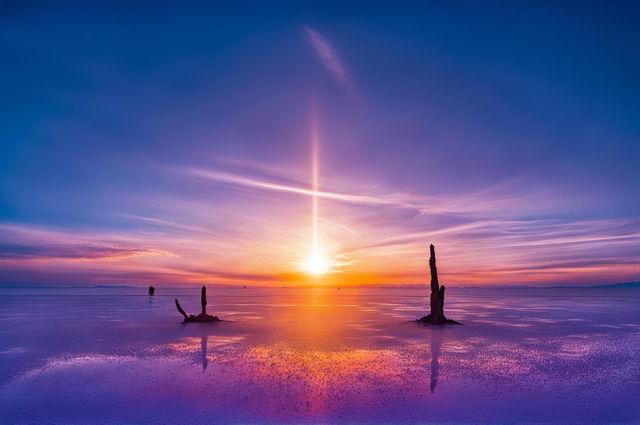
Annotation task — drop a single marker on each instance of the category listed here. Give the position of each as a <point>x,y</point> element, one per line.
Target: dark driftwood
<point>203,316</point>
<point>436,317</point>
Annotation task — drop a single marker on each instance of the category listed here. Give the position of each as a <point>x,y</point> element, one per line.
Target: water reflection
<point>204,341</point>
<point>317,358</point>
<point>436,344</point>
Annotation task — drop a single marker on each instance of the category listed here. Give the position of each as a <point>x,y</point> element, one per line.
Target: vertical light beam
<point>317,264</point>
<point>315,184</point>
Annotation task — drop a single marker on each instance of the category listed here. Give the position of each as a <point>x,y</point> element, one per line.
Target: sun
<point>316,265</point>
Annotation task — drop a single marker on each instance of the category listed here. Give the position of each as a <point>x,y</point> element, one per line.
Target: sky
<point>172,143</point>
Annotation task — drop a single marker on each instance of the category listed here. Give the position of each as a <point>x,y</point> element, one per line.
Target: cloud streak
<point>33,244</point>
<point>261,235</point>
<point>483,202</point>
<point>72,252</point>
<point>328,56</point>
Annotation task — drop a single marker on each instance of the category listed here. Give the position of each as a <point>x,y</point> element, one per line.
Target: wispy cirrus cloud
<point>257,229</point>
<point>486,236</point>
<point>27,243</point>
<point>328,55</point>
<point>72,252</point>
<point>488,201</point>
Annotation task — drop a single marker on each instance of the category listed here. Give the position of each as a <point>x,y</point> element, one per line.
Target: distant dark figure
<point>436,316</point>
<point>203,316</point>
<point>152,290</point>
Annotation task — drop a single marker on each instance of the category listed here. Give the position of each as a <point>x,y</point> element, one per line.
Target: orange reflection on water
<point>317,382</point>
<point>194,344</point>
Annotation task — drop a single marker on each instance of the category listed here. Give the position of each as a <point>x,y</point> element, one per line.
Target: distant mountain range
<point>611,285</point>
<point>619,285</point>
<point>107,286</point>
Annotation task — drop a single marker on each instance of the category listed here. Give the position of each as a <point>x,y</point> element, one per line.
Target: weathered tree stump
<point>203,316</point>
<point>436,317</point>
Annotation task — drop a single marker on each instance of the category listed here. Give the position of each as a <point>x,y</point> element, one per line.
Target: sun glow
<point>317,265</point>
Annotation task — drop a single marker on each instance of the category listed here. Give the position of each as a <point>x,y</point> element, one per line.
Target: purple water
<point>321,356</point>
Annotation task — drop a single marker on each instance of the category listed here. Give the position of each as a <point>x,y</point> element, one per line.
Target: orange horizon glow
<point>274,258</point>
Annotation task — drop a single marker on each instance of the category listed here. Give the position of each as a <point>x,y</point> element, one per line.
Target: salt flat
<point>319,355</point>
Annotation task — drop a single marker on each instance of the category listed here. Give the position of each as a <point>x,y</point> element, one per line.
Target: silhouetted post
<point>203,300</point>
<point>436,301</point>
<point>437,313</point>
<point>152,290</point>
<point>203,316</point>
<point>179,307</point>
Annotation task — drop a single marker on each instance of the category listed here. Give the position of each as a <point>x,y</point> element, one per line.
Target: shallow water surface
<point>319,355</point>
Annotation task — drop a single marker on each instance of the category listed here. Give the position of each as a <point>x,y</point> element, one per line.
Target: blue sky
<point>154,134</point>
